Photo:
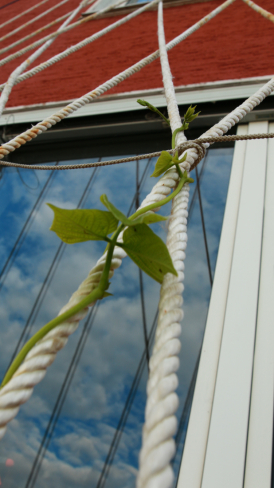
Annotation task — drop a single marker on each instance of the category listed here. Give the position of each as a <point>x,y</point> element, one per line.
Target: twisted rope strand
<point>14,75</point>
<point>195,143</point>
<point>11,33</point>
<point>52,35</point>
<point>85,42</point>
<point>158,446</point>
<point>260,10</point>
<point>23,39</point>
<point>33,369</point>
<point>47,123</point>
<point>22,13</point>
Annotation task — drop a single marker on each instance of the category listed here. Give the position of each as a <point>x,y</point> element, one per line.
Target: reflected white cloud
<point>115,344</point>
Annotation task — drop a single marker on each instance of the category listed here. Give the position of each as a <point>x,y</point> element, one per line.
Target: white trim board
<point>259,446</point>
<point>126,102</point>
<point>229,437</point>
<point>192,465</point>
<point>226,446</point>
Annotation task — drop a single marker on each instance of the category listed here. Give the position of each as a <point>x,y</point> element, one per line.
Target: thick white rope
<point>14,75</point>
<point>260,10</point>
<point>47,123</point>
<point>22,13</point>
<point>86,41</point>
<point>11,33</point>
<point>158,446</point>
<point>33,368</point>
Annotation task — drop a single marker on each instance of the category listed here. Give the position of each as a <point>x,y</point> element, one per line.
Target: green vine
<point>141,244</point>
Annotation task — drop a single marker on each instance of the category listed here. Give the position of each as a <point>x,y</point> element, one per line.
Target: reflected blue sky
<point>115,343</point>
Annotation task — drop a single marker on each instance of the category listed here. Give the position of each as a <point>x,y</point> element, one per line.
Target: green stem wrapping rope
<point>96,294</point>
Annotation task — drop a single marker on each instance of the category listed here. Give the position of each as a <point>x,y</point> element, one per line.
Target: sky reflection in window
<point>112,345</point>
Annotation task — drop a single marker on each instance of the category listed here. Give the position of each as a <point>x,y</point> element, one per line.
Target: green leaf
<point>148,251</point>
<point>146,218</point>
<point>190,114</point>
<point>164,162</point>
<point>153,109</point>
<point>82,225</point>
<point>106,294</point>
<point>117,213</point>
<point>179,161</point>
<point>144,103</point>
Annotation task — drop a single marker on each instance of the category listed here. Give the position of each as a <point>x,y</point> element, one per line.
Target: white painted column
<point>226,447</point>
<point>259,447</point>
<point>197,434</point>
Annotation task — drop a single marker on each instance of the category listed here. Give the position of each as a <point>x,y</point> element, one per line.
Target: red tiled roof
<point>238,43</point>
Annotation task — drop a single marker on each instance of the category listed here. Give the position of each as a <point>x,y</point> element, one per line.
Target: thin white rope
<point>34,33</point>
<point>33,369</point>
<point>22,13</point>
<point>11,33</point>
<point>85,42</point>
<point>47,123</point>
<point>14,75</point>
<point>172,106</point>
<point>25,49</point>
<point>158,446</point>
<point>260,10</point>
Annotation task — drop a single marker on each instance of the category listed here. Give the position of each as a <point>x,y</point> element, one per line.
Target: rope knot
<point>198,145</point>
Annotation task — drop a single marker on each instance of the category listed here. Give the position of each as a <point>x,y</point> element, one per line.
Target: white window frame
<point>229,437</point>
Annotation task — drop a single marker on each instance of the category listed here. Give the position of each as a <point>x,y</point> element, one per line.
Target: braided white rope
<point>22,13</point>
<point>14,75</point>
<point>11,33</point>
<point>44,39</point>
<point>33,369</point>
<point>158,447</point>
<point>31,46</point>
<point>47,123</point>
<point>162,402</point>
<point>22,51</point>
<point>85,42</point>
<point>260,10</point>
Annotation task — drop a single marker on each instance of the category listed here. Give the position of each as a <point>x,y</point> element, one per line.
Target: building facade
<point>82,426</point>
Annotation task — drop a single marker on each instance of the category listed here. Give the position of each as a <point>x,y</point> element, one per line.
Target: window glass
<point>106,3</point>
<point>133,2</point>
<point>103,4</point>
<point>66,435</point>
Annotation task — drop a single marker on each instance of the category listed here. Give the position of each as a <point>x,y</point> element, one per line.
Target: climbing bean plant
<point>140,243</point>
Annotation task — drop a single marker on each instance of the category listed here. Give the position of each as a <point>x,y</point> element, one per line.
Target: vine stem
<point>93,296</point>
<point>96,294</point>
<point>174,134</point>
<point>184,179</point>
